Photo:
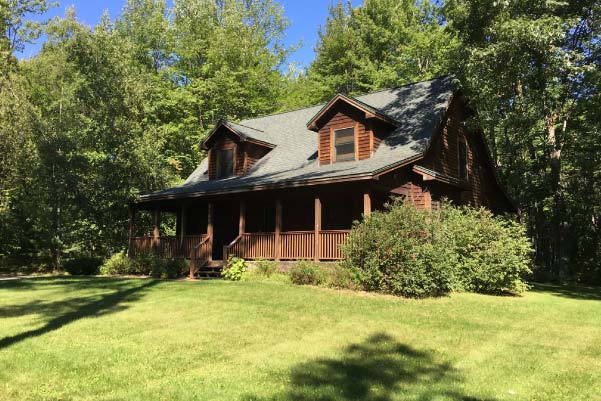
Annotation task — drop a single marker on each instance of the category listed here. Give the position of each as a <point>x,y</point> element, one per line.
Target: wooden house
<point>288,186</point>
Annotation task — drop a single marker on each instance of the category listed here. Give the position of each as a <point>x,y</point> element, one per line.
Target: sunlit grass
<point>111,339</point>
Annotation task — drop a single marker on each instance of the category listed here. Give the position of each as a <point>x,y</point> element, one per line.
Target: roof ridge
<point>403,86</point>
<point>347,95</point>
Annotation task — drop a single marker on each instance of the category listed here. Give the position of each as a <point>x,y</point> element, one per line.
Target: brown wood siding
<point>253,154</point>
<point>443,157</point>
<point>246,156</point>
<point>223,142</point>
<point>344,116</point>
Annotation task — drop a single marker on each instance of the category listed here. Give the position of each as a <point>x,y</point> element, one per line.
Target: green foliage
<point>493,254</point>
<point>82,265</point>
<point>400,252</point>
<point>415,253</point>
<point>383,43</point>
<point>235,270</point>
<point>266,268</point>
<point>148,265</point>
<point>306,272</point>
<point>119,264</point>
<point>341,278</point>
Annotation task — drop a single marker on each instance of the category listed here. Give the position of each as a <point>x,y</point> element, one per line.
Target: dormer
<point>232,151</point>
<point>349,130</point>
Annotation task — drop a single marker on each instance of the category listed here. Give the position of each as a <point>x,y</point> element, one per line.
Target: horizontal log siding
<point>253,154</point>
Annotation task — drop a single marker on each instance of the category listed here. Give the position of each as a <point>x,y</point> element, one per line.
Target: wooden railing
<point>293,245</point>
<point>252,246</point>
<point>200,254</point>
<point>296,245</point>
<point>329,241</point>
<point>170,247</point>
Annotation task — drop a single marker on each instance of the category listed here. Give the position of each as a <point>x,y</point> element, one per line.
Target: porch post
<point>317,226</point>
<point>156,232</point>
<point>366,203</point>
<point>131,231</point>
<point>278,226</point>
<point>242,221</point>
<point>210,229</point>
<point>182,223</point>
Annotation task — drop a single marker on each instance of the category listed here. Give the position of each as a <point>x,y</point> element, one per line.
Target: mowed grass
<point>119,339</point>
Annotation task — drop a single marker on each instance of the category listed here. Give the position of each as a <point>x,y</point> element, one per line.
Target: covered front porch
<point>291,224</point>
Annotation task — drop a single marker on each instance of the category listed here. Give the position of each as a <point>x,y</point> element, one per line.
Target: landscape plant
<point>235,269</point>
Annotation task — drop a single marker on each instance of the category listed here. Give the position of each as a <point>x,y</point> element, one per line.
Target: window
<point>344,144</point>
<point>462,159</point>
<point>225,166</point>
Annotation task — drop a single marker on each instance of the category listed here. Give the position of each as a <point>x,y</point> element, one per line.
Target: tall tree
<point>523,64</point>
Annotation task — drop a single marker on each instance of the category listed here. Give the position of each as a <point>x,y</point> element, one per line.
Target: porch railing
<point>171,247</point>
<point>293,245</point>
<point>200,254</point>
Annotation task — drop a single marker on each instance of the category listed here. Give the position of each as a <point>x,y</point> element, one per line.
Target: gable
<point>343,115</point>
<point>246,154</point>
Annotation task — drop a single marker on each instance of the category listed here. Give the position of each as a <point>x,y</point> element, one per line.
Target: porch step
<point>210,271</point>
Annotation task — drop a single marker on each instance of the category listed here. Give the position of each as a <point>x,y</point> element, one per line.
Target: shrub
<point>339,277</point>
<point>400,252</point>
<point>82,265</point>
<point>266,267</point>
<point>119,263</point>
<point>306,272</point>
<point>493,253</point>
<point>415,253</point>
<point>148,264</point>
<point>235,269</point>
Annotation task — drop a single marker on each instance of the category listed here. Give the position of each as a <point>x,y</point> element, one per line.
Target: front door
<point>225,226</point>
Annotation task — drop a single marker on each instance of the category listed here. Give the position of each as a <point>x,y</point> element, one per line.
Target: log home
<point>288,186</point>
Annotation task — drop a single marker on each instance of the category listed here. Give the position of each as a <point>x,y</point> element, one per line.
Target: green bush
<point>306,272</point>
<point>82,265</point>
<point>398,252</point>
<point>148,265</point>
<point>235,270</point>
<point>266,268</point>
<point>339,277</point>
<point>119,263</point>
<point>415,253</point>
<point>493,253</point>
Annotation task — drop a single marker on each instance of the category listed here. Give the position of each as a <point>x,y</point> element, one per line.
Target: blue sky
<point>305,16</point>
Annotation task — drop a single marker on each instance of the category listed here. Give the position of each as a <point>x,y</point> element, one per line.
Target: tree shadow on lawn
<point>568,291</point>
<point>378,369</point>
<point>63,312</point>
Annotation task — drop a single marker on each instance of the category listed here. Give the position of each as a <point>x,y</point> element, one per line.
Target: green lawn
<point>118,339</point>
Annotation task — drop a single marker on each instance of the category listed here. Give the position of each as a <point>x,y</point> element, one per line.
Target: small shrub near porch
<point>147,265</point>
<point>415,253</point>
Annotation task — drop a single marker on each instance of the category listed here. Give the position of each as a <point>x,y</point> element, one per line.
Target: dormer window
<point>344,144</point>
<point>225,163</point>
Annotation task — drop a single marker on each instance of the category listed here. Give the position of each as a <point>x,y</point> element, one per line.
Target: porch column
<point>210,229</point>
<point>366,203</point>
<point>156,232</point>
<point>278,226</point>
<point>242,221</point>
<point>131,231</point>
<point>317,227</point>
<point>182,223</point>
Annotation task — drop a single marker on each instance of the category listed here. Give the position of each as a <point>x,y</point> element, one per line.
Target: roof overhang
<point>431,175</point>
<point>370,112</point>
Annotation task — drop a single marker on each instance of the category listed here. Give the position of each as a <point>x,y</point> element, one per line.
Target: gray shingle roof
<point>418,108</point>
